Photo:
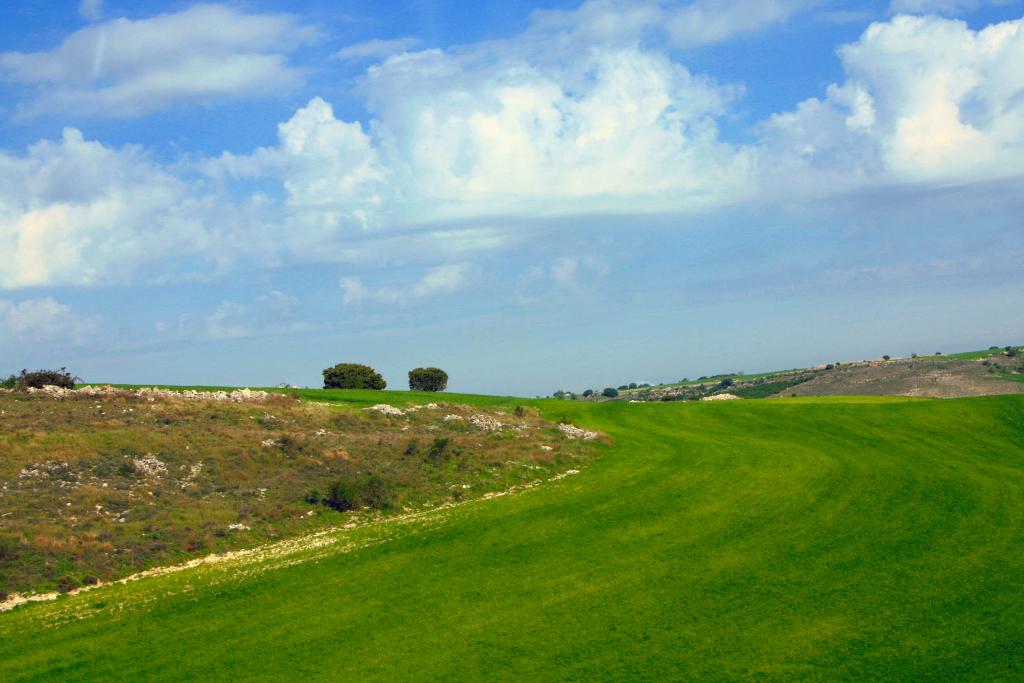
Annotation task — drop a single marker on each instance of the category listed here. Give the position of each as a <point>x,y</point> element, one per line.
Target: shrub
<point>370,491</point>
<point>830,367</point>
<point>588,393</point>
<point>66,584</point>
<point>1010,351</point>
<point>632,385</point>
<point>377,493</point>
<point>885,357</point>
<point>341,496</point>
<point>312,497</point>
<point>41,378</point>
<point>438,450</point>
<point>9,383</point>
<point>623,387</point>
<point>90,580</point>
<point>428,379</point>
<point>411,448</point>
<point>727,382</point>
<point>520,411</point>
<point>610,392</point>
<point>353,376</point>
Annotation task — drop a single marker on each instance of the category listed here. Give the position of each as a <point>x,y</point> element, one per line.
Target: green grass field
<point>828,539</point>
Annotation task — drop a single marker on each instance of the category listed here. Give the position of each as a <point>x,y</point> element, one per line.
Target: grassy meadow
<point>830,538</point>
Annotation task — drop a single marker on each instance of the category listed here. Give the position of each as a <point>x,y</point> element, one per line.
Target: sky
<point>531,195</point>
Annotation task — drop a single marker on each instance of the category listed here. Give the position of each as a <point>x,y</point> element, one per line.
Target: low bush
<point>371,491</point>
<point>41,378</point>
<point>609,392</point>
<point>66,584</point>
<point>438,450</point>
<point>341,496</point>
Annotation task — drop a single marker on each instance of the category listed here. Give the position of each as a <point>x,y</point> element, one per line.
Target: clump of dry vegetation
<point>94,486</point>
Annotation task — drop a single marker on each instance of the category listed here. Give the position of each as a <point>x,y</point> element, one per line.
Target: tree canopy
<point>353,376</point>
<point>428,379</point>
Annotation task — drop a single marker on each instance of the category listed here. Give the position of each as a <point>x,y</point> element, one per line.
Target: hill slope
<point>820,538</point>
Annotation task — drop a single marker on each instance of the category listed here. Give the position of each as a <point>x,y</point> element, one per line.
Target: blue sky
<point>531,195</point>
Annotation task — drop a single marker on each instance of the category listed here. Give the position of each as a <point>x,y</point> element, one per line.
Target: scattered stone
<point>485,422</point>
<point>386,409</point>
<point>574,432</point>
<point>722,397</point>
<point>149,466</point>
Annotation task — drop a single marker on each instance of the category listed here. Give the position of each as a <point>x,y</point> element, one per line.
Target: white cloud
<point>925,100</point>
<point>128,67</point>
<point>469,147</point>
<point>708,21</point>
<point>567,270</point>
<point>442,280</point>
<point>77,212</point>
<point>91,10</point>
<point>329,169</point>
<point>622,129</point>
<point>33,322</point>
<point>377,49</point>
<point>682,24</point>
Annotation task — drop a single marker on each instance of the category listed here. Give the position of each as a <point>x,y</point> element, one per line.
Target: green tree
<point>609,392</point>
<point>353,376</point>
<point>428,379</point>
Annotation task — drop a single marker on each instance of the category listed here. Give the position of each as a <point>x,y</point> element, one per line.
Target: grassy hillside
<point>96,487</point>
<point>806,538</point>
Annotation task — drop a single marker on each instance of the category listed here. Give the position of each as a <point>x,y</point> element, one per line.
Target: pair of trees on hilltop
<point>357,376</point>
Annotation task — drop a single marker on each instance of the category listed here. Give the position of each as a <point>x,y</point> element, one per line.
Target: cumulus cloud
<point>76,212</point>
<point>467,148</point>
<point>925,100</point>
<point>128,67</point>
<point>376,49</point>
<point>622,128</point>
<point>329,169</point>
<point>43,321</point>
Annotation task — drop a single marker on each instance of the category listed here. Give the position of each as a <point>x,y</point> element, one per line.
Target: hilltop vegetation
<point>812,538</point>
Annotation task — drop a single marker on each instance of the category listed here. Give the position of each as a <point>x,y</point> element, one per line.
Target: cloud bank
<point>466,146</point>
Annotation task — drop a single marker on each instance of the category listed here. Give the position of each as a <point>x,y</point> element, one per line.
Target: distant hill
<point>997,370</point>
